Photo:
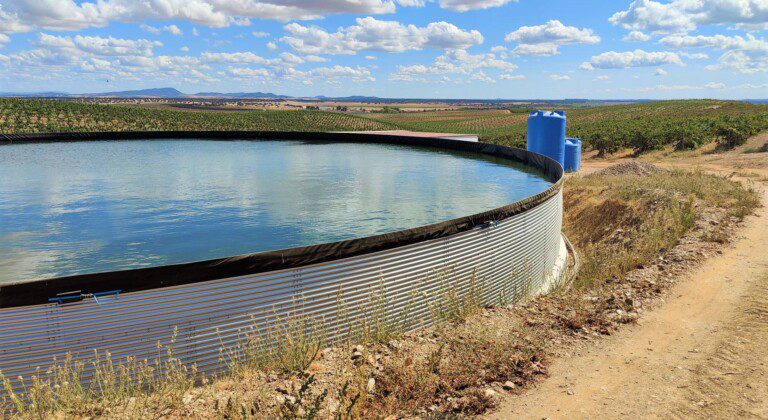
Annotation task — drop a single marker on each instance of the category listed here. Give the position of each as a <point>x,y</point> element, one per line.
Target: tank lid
<point>542,113</point>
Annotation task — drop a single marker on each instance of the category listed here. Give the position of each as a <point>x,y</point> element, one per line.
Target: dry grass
<point>620,223</point>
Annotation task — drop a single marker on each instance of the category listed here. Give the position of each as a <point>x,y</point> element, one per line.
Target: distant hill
<point>254,95</point>
<point>143,93</point>
<point>36,94</point>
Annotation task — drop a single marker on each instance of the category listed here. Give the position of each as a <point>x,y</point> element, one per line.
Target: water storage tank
<point>572,154</point>
<point>546,134</point>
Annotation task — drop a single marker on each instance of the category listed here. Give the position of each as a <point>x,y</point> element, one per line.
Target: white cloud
<point>636,58</point>
<point>151,29</point>
<point>26,15</point>
<point>233,58</point>
<point>649,15</point>
<point>660,72</point>
<point>467,5</point>
<point>694,56</point>
<point>680,16</point>
<point>260,34</point>
<point>678,87</point>
<point>99,46</point>
<point>710,85</point>
<point>603,77</point>
<point>271,45</point>
<point>172,29</point>
<point>544,39</point>
<point>301,9</point>
<point>543,50</point>
<point>248,73</point>
<point>370,34</point>
<point>291,58</point>
<point>185,48</point>
<point>358,74</point>
<point>717,41</point>
<point>315,59</point>
<point>4,39</point>
<point>412,3</point>
<point>745,55</point>
<point>636,36</point>
<point>458,62</point>
<point>559,77</point>
<point>507,76</point>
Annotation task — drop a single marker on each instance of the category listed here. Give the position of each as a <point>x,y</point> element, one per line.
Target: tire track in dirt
<point>733,382</point>
<point>704,353</point>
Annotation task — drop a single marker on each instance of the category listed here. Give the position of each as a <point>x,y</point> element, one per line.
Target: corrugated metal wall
<point>509,260</point>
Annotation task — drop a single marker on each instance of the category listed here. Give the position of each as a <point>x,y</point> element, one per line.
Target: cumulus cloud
<point>233,58</point>
<point>98,46</point>
<point>723,42</point>
<point>172,29</point>
<point>694,56</point>
<point>4,39</point>
<point>660,72</point>
<point>248,73</point>
<point>26,15</point>
<point>559,77</point>
<point>628,59</point>
<point>745,55</point>
<point>467,5</point>
<point>636,36</point>
<point>545,39</point>
<point>457,62</point>
<point>711,85</point>
<point>679,16</point>
<point>370,34</point>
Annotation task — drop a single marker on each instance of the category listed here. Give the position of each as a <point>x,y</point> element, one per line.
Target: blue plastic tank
<point>546,134</point>
<point>572,154</point>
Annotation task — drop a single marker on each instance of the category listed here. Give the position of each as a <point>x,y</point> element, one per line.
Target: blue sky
<point>391,48</point>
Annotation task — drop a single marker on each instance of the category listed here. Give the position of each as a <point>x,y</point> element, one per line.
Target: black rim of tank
<point>34,292</point>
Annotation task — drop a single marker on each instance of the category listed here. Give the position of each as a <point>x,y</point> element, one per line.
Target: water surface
<point>82,207</point>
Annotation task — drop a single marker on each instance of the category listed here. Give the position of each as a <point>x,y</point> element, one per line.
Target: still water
<point>72,208</point>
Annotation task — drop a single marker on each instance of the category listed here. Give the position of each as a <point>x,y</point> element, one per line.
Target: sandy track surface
<point>703,354</point>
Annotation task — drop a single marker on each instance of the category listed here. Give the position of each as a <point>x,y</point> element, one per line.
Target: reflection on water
<point>70,208</point>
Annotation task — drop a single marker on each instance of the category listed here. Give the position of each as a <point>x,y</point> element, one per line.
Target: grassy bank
<point>620,221</point>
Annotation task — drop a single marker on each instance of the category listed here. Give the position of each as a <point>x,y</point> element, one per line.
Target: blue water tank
<point>572,154</point>
<point>546,134</point>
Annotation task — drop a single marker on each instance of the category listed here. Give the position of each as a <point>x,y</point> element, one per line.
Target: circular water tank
<point>546,134</point>
<point>572,154</point>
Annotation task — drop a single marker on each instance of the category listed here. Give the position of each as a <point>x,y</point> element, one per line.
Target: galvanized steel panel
<point>512,259</point>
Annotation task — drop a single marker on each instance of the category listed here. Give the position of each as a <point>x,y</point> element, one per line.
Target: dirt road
<point>704,353</point>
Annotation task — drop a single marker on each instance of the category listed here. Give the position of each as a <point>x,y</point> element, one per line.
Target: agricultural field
<point>683,124</point>
<point>36,116</point>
